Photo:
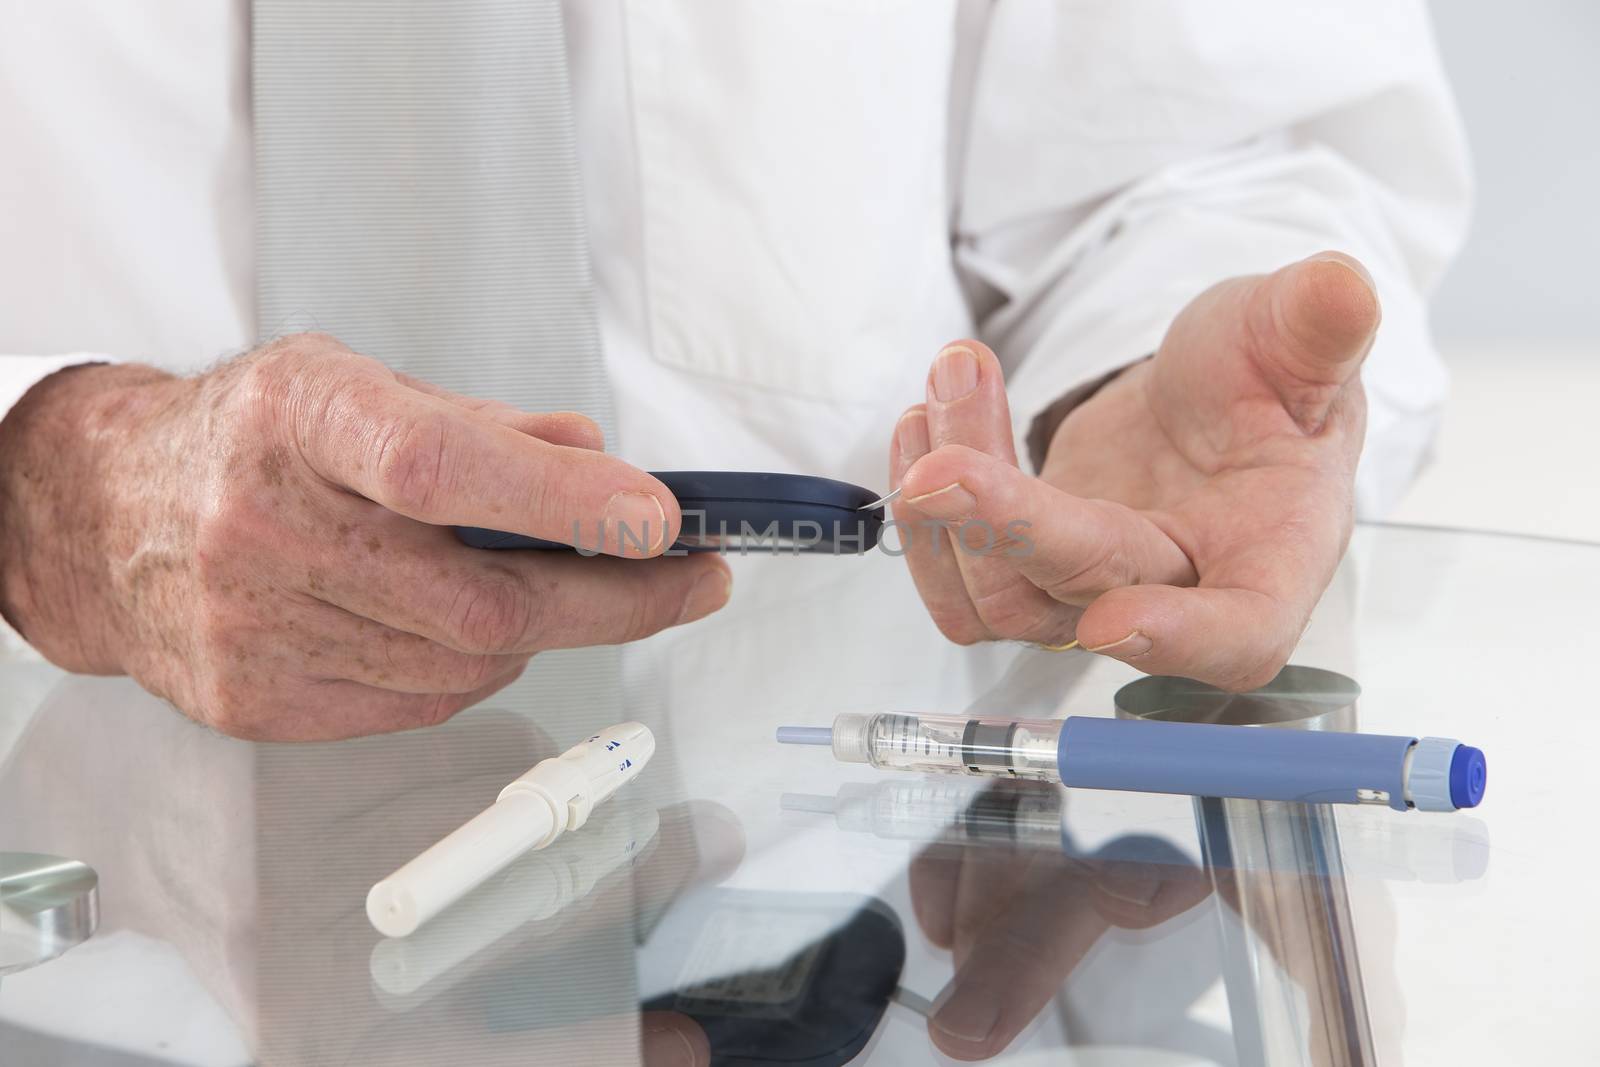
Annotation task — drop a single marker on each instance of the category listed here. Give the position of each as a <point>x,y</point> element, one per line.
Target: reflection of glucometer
<point>799,979</point>
<point>740,512</point>
<point>775,979</point>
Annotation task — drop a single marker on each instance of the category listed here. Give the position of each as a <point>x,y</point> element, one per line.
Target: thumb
<point>1310,325</point>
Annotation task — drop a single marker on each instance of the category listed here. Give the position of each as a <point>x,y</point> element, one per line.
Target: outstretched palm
<point>1189,514</point>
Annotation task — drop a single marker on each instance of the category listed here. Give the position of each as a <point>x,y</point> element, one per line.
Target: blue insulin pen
<point>1150,756</point>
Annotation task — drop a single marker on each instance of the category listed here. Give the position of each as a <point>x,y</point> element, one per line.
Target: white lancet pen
<point>557,795</point>
<point>1147,756</point>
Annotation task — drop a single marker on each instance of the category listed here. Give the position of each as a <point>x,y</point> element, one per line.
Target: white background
<point>1518,317</point>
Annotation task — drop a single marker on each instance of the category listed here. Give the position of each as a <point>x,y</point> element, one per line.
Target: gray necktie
<point>419,196</point>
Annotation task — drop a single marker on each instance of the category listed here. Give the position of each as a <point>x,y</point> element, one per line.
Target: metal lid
<point>47,905</point>
<point>1299,698</point>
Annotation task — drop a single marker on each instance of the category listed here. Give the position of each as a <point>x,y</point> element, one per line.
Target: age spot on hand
<point>274,464</point>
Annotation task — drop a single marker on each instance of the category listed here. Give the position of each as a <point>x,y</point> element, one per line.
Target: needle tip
<point>805,735</point>
<point>881,501</point>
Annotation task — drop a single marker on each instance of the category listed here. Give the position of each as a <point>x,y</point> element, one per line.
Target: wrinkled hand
<point>266,545</point>
<point>1187,516</point>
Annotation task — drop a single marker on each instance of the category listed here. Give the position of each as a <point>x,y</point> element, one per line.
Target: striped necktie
<point>418,194</point>
<point>418,197</point>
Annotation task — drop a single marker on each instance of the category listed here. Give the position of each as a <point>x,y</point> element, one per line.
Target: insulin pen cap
<point>1445,775</point>
<point>1469,774</point>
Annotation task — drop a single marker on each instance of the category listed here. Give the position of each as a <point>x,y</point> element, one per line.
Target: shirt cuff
<point>1036,436</point>
<point>1061,373</point>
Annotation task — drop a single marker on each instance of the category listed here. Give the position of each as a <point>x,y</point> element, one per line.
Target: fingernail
<point>636,519</point>
<point>968,1014</point>
<point>951,502</point>
<point>1128,881</point>
<point>911,435</point>
<point>1135,644</point>
<point>707,595</point>
<point>1354,266</point>
<point>955,374</point>
<point>666,1047</point>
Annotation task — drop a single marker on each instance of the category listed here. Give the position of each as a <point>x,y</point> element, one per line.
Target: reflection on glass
<point>538,887</point>
<point>1018,813</point>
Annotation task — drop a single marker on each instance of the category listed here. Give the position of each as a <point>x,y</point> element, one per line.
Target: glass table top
<point>746,903</point>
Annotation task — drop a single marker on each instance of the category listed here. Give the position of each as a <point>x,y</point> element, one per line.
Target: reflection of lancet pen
<point>1141,755</point>
<point>557,795</point>
<point>535,888</point>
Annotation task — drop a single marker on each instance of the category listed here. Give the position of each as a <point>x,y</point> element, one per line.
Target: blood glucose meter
<point>740,512</point>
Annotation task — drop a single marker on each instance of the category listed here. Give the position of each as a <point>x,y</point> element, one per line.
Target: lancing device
<point>557,795</point>
<point>1148,756</point>
<point>534,889</point>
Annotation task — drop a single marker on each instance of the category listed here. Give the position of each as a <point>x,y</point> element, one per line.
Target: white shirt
<point>793,205</point>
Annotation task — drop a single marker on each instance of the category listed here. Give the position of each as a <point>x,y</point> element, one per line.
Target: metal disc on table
<point>47,905</point>
<point>1299,698</point>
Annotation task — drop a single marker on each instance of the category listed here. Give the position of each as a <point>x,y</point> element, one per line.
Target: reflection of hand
<point>1226,463</point>
<point>254,862</point>
<point>696,842</point>
<point>1018,923</point>
<point>385,800</point>
<point>672,1039</point>
<point>448,1020</point>
<point>265,545</point>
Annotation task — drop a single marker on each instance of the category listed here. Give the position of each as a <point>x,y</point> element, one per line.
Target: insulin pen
<point>1149,756</point>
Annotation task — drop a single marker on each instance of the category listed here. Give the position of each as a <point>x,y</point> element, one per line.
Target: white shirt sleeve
<point>18,374</point>
<point>1121,158</point>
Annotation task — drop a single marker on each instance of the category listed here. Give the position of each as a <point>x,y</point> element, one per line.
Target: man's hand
<point>266,545</point>
<point>1187,516</point>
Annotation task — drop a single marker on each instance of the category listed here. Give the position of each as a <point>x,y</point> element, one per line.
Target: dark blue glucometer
<point>739,512</point>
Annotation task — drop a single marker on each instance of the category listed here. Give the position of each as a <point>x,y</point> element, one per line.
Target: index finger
<point>428,459</point>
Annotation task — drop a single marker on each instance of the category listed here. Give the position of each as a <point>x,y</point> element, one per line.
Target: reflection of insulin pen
<point>1148,756</point>
<point>1014,813</point>
<point>957,810</point>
